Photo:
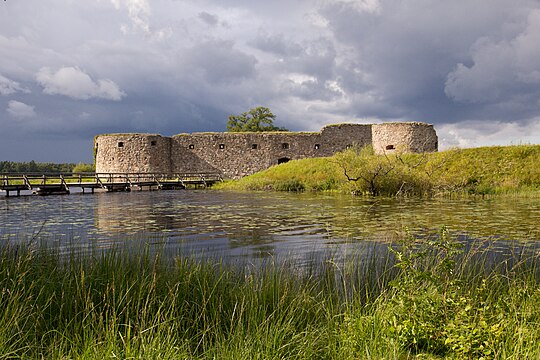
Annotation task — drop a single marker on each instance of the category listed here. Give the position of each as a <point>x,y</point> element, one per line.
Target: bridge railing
<point>30,180</point>
<point>157,177</point>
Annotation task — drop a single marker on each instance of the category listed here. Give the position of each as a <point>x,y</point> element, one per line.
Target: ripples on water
<point>259,225</point>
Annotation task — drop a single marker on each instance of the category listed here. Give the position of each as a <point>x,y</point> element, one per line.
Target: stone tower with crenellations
<point>239,154</point>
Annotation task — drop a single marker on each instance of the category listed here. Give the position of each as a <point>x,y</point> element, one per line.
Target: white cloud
<point>139,11</point>
<point>478,133</point>
<point>20,110</point>
<point>8,87</point>
<point>369,6</point>
<point>500,68</point>
<point>75,83</point>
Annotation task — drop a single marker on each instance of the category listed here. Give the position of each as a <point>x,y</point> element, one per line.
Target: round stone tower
<point>132,153</point>
<point>406,137</point>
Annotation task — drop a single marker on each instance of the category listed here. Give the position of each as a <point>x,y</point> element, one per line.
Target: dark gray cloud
<point>208,18</point>
<point>70,70</point>
<point>276,44</point>
<point>218,61</point>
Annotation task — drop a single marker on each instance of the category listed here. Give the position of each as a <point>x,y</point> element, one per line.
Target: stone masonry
<point>238,154</point>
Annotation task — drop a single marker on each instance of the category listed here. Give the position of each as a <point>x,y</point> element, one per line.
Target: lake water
<point>259,225</point>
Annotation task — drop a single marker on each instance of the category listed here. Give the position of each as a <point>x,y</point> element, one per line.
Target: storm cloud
<point>71,70</point>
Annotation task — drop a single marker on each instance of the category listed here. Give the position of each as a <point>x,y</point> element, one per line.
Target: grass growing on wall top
<point>482,171</point>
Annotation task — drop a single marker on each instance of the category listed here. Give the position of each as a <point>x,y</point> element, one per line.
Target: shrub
<point>389,174</point>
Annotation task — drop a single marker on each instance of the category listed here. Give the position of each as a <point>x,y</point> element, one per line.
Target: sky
<point>72,69</point>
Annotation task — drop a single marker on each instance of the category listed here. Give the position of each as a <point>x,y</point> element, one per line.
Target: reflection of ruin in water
<point>128,213</point>
<point>226,224</point>
<point>264,222</point>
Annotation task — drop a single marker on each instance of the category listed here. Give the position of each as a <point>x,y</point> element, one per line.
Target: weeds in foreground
<point>425,297</point>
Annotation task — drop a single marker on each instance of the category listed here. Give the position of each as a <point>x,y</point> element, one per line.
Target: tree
<point>257,119</point>
<point>83,168</point>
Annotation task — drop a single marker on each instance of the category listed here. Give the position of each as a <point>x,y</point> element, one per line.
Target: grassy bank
<point>478,171</point>
<point>425,297</point>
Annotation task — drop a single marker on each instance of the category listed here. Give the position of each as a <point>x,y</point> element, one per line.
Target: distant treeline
<point>35,167</point>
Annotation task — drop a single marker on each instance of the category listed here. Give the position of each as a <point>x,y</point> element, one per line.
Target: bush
<point>389,174</point>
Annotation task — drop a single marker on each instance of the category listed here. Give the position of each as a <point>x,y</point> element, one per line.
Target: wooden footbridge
<point>48,184</point>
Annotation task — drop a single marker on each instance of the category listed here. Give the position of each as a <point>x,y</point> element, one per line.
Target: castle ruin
<point>239,154</point>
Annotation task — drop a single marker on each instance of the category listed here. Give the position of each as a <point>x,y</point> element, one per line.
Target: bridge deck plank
<point>45,184</point>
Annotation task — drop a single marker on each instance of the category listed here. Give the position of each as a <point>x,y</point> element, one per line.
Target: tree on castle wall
<point>255,120</point>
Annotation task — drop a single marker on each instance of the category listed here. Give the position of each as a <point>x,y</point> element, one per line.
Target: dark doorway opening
<point>283,160</point>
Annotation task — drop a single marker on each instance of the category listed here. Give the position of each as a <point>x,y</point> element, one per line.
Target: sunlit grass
<point>497,170</point>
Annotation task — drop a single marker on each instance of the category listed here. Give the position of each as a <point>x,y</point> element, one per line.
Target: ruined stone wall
<point>408,137</point>
<point>239,154</point>
<point>341,136</point>
<point>133,153</point>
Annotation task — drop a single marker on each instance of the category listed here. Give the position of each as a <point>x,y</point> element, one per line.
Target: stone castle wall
<point>406,137</point>
<point>132,153</point>
<point>239,154</point>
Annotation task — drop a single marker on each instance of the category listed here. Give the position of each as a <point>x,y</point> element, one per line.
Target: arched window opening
<point>191,146</point>
<point>285,146</point>
<point>283,160</point>
<point>254,146</point>
<point>317,146</point>
<point>222,146</point>
<point>153,143</point>
<point>120,144</point>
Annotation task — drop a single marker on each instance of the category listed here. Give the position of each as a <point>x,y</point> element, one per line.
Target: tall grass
<point>423,296</point>
<point>478,171</point>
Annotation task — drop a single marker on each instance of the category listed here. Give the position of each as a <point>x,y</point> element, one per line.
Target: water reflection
<point>258,224</point>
